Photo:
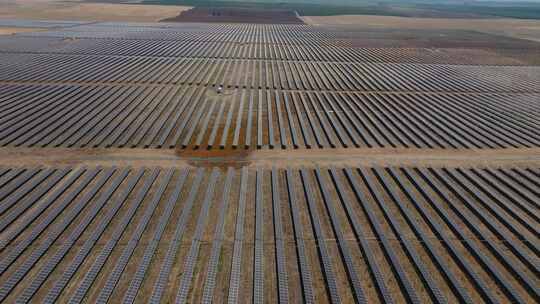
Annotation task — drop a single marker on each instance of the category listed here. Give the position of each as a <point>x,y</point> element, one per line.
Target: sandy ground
<point>14,30</point>
<point>493,158</point>
<point>63,10</point>
<point>518,28</point>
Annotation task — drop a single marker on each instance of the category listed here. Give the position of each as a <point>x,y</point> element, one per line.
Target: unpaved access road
<point>493,158</point>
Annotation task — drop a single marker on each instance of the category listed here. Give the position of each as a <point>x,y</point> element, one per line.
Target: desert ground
<point>525,29</point>
<point>86,11</point>
<point>12,30</point>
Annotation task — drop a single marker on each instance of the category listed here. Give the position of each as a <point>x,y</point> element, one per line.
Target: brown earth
<point>236,15</point>
<point>493,158</point>
<point>14,30</point>
<point>517,28</point>
<point>74,10</point>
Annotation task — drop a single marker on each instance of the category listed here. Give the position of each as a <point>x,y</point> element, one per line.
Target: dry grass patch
<point>59,10</point>
<point>517,28</point>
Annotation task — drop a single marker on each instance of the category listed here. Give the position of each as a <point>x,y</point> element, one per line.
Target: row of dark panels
<point>270,74</point>
<point>232,50</point>
<point>338,235</point>
<point>200,117</point>
<point>241,33</point>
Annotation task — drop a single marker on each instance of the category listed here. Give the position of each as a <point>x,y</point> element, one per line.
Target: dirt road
<point>495,158</point>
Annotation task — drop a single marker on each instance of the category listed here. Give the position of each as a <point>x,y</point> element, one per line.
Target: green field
<point>402,8</point>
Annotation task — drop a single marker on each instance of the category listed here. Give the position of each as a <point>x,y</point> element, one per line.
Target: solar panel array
<point>315,235</point>
<point>226,231</point>
<point>284,86</point>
